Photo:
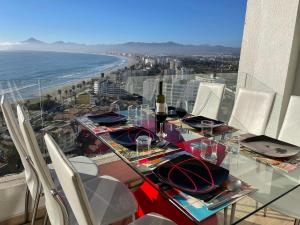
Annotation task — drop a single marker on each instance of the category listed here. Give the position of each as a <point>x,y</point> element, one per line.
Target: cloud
<point>9,43</point>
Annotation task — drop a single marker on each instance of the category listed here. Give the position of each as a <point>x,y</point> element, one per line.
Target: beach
<point>33,89</point>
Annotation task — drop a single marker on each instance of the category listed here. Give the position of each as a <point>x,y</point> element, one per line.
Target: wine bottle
<point>160,99</point>
<point>160,111</point>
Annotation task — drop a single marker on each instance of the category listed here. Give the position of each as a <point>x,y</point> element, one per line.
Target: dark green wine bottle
<point>160,99</point>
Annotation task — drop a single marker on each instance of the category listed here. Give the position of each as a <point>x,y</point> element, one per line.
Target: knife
<point>221,201</point>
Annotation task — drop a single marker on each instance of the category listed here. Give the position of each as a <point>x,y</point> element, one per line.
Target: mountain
<point>33,41</point>
<point>161,48</point>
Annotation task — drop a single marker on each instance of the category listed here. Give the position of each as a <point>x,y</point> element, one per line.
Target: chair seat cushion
<point>110,199</point>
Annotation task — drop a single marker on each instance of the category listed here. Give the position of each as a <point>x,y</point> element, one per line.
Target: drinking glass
<point>161,117</point>
<point>132,114</point>
<point>143,111</point>
<point>114,107</point>
<point>181,109</point>
<point>207,128</point>
<point>209,149</point>
<point>235,145</point>
<point>143,143</point>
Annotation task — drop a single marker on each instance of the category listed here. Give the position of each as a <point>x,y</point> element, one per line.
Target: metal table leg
<point>232,213</point>
<point>225,215</point>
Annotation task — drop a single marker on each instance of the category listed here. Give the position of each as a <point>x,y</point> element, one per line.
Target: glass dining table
<point>263,180</point>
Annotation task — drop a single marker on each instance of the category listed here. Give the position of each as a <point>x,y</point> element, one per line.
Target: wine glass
<point>161,116</point>
<point>181,109</point>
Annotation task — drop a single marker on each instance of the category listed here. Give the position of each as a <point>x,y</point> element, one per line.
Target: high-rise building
<point>149,90</point>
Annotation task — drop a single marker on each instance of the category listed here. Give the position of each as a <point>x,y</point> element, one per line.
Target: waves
<point>38,72</point>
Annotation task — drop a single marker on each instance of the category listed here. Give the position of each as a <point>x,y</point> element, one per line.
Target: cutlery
<point>230,187</point>
<point>224,200</point>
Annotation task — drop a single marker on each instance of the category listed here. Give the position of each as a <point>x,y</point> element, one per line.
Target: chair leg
<point>46,219</point>
<point>232,213</point>
<point>265,211</point>
<point>133,217</point>
<point>26,216</point>
<point>225,215</point>
<point>297,222</point>
<point>256,204</point>
<point>36,204</point>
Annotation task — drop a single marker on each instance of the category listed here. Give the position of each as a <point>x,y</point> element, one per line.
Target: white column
<point>269,54</point>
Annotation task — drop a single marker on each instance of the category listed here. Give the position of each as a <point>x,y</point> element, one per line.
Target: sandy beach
<point>53,91</point>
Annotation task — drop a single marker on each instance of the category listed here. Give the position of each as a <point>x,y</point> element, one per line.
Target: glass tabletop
<point>270,182</point>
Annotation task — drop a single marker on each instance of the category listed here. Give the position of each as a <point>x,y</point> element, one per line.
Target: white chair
<point>31,178</point>
<point>103,192</point>
<point>208,100</point>
<point>251,111</point>
<point>289,204</point>
<point>56,210</point>
<point>289,131</point>
<point>111,207</point>
<point>84,165</point>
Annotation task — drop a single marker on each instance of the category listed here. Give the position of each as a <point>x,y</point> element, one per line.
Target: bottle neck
<point>160,91</point>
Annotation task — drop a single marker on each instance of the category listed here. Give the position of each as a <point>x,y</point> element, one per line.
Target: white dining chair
<point>251,111</point>
<point>56,210</point>
<point>84,165</point>
<point>31,178</point>
<point>208,100</point>
<point>102,194</point>
<point>114,204</point>
<point>289,132</point>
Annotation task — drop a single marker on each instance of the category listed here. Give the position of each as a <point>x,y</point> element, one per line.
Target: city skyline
<point>186,22</point>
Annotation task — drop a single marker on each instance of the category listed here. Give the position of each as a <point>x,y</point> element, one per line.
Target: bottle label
<point>160,107</point>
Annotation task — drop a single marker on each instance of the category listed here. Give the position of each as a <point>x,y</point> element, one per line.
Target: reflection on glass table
<point>270,179</point>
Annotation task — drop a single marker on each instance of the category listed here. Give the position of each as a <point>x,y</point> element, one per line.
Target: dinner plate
<point>191,175</point>
<point>127,137</point>
<point>195,122</point>
<point>270,147</point>
<point>108,118</point>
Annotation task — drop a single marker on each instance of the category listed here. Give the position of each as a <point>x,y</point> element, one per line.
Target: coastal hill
<point>33,41</point>
<point>162,48</point>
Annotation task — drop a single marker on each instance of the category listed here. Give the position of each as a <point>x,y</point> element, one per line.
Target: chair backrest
<point>17,138</point>
<point>251,110</point>
<point>208,100</point>
<point>71,183</point>
<point>54,210</point>
<point>289,131</point>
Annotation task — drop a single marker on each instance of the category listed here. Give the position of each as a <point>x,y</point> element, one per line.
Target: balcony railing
<point>53,104</point>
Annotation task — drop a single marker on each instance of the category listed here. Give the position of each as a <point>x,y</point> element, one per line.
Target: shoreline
<point>53,91</point>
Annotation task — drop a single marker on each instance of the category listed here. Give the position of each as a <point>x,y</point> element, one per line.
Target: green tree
<point>66,93</point>
<point>59,93</point>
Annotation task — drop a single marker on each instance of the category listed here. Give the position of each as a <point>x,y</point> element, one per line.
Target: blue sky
<point>118,21</point>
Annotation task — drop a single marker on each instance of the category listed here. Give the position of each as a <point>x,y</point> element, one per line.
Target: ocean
<point>24,70</point>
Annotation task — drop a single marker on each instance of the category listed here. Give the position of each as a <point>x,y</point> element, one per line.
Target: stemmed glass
<point>181,109</point>
<point>161,117</point>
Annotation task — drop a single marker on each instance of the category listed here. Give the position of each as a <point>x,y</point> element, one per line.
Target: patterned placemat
<point>132,155</point>
<point>286,165</point>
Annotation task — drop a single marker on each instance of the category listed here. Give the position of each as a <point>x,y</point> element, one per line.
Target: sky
<point>118,21</point>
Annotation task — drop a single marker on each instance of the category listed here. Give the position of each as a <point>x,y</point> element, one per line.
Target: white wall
<point>269,54</point>
<point>12,192</point>
<point>12,196</point>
